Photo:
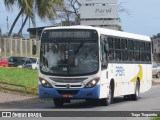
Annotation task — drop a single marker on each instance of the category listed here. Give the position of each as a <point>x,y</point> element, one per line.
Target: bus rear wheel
<point>127,97</point>
<point>135,96</point>
<point>58,102</point>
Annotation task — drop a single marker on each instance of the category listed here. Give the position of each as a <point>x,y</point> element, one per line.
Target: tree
<point>122,9</point>
<point>68,14</point>
<point>44,9</point>
<point>25,6</point>
<point>28,11</point>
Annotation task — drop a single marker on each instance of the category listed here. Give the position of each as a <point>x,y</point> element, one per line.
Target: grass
<point>18,76</point>
<point>156,118</point>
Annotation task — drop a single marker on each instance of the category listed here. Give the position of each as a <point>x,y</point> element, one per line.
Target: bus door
<point>104,59</point>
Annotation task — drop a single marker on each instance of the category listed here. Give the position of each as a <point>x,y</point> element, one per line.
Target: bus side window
<point>130,56</point>
<point>111,50</point>
<point>124,49</point>
<point>148,50</point>
<point>118,55</point>
<point>130,44</point>
<point>117,44</point>
<point>143,55</point>
<point>130,50</point>
<point>104,51</point>
<point>136,50</point>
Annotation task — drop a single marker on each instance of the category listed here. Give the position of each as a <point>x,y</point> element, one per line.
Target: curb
<point>18,88</point>
<point>155,81</point>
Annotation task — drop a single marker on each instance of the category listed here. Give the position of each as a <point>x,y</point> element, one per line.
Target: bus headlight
<point>45,83</point>
<point>92,83</point>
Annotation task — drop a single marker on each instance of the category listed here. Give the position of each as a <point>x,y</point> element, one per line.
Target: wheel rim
<point>109,95</point>
<point>137,91</point>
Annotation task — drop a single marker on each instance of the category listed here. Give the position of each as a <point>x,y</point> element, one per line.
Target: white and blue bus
<point>84,62</point>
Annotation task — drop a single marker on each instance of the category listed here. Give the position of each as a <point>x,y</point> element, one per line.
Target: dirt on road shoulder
<point>10,97</point>
<point>19,101</point>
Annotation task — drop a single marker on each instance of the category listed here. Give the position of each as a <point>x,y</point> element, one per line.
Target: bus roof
<point>106,31</point>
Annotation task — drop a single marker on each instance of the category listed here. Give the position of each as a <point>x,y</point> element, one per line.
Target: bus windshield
<point>69,56</point>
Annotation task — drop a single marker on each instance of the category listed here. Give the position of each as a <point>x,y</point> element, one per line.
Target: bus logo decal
<point>68,86</point>
<point>140,74</point>
<point>119,71</point>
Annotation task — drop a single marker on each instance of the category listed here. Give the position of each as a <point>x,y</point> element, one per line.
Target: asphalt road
<point>149,101</point>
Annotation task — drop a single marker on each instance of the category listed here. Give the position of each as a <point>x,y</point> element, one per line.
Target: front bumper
<point>73,93</point>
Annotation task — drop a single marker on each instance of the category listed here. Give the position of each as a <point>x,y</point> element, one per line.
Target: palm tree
<point>24,22</point>
<point>27,11</point>
<point>25,6</point>
<point>44,8</point>
<point>9,4</point>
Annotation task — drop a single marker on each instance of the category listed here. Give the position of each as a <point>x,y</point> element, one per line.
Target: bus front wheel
<point>58,102</point>
<point>107,101</point>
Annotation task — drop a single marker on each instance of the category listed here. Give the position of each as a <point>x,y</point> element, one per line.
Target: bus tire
<point>107,101</point>
<point>58,102</point>
<point>89,100</point>
<point>127,97</point>
<point>135,96</point>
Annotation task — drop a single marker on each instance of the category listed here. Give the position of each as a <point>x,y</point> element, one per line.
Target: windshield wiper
<point>79,47</point>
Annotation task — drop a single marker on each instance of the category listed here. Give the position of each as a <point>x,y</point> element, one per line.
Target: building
<point>100,13</point>
<point>35,32</point>
<point>156,44</point>
<point>156,47</point>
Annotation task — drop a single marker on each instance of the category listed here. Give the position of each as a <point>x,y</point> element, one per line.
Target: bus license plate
<point>68,96</point>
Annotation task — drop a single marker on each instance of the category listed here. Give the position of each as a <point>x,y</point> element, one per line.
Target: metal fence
<point>18,47</point>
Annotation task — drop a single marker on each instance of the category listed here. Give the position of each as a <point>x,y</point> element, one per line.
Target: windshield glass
<point>69,57</point>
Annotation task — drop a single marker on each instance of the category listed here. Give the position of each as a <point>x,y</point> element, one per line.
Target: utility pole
<point>22,24</point>
<point>0,33</point>
<point>29,22</point>
<point>7,24</point>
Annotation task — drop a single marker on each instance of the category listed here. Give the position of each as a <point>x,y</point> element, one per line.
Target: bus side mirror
<point>34,49</point>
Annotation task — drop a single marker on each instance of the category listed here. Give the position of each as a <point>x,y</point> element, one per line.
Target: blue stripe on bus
<point>82,94</point>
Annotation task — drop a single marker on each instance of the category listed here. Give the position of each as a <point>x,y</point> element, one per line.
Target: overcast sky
<point>143,18</point>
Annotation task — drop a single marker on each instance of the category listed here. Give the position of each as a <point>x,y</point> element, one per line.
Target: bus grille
<point>70,86</point>
<point>68,80</point>
<point>72,92</point>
